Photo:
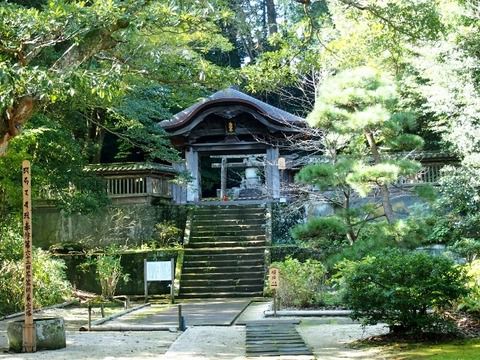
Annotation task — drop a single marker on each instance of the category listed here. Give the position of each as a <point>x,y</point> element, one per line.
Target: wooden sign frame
<point>159,277</point>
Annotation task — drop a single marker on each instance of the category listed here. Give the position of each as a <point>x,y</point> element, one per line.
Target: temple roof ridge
<point>234,96</point>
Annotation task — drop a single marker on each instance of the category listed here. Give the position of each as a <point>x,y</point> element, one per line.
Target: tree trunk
<point>386,201</point>
<point>13,120</point>
<point>271,17</point>
<point>351,235</point>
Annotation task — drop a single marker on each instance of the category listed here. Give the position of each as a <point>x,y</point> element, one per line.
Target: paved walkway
<point>217,312</point>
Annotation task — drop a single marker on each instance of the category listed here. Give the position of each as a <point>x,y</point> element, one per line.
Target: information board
<point>159,271</point>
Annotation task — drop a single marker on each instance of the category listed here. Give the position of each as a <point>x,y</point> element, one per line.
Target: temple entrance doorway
<point>232,177</point>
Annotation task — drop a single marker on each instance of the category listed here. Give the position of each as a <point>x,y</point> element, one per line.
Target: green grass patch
<point>458,350</point>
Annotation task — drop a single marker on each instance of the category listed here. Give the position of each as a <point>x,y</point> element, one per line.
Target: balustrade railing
<point>123,186</point>
<point>430,173</point>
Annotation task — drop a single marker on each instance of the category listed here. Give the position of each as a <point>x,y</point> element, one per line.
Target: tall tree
<point>363,104</point>
<point>48,53</point>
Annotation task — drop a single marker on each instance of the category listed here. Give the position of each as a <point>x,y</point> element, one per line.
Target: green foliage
<point>399,288</point>
<point>302,253</point>
<point>379,235</point>
<point>300,282</point>
<point>108,269</point>
<point>458,206</point>
<point>324,234</point>
<point>326,175</point>
<point>471,302</point>
<point>284,218</point>
<point>167,234</point>
<point>57,170</point>
<point>467,248</point>
<point>49,285</point>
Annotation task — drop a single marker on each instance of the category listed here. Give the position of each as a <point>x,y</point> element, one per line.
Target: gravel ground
<point>328,338</point>
<point>95,345</point>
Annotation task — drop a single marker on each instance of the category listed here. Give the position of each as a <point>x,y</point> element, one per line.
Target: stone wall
<point>84,278</point>
<point>127,224</point>
<point>402,202</point>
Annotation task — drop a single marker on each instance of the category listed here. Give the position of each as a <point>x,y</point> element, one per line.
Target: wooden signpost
<point>274,280</point>
<point>29,341</point>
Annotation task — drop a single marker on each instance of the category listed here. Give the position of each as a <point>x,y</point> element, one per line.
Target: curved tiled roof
<point>231,96</point>
<point>129,167</point>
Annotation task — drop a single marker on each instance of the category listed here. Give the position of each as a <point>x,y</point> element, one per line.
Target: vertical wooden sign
<point>274,278</point>
<point>28,330</point>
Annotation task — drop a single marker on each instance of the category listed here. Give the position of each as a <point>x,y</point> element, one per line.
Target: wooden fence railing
<point>123,186</point>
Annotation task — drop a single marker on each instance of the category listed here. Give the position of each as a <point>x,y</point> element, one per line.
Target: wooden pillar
<point>272,175</point>
<point>223,178</point>
<point>29,327</point>
<point>179,191</point>
<point>193,187</point>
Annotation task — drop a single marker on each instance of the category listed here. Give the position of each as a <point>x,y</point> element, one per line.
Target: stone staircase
<point>225,253</point>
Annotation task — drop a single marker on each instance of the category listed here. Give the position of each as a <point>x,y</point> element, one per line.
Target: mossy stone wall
<point>132,264</point>
<point>128,224</point>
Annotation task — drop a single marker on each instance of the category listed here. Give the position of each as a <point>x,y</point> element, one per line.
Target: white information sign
<point>159,271</point>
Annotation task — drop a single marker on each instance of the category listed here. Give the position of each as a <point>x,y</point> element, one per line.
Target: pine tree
<point>361,105</point>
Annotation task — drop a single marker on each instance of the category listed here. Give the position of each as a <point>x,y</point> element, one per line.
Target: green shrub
<point>281,252</point>
<point>284,218</point>
<point>167,234</point>
<point>379,235</point>
<point>471,302</point>
<point>399,288</point>
<point>49,284</point>
<point>466,248</point>
<point>301,283</point>
<point>324,234</point>
<point>108,269</point>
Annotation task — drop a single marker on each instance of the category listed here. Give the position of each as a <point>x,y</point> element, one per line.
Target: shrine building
<point>235,148</point>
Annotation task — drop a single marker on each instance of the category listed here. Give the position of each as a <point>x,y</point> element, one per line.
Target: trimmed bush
<point>399,288</point>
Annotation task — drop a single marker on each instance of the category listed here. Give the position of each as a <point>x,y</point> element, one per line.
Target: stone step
<point>233,232</point>
<point>228,221</point>
<point>226,217</point>
<point>225,244</point>
<point>220,238</point>
<point>233,251</point>
<point>258,260</point>
<point>196,238</point>
<point>224,276</point>
<point>220,289</point>
<point>223,269</point>
<point>230,212</point>
<point>220,295</point>
<point>220,257</point>
<point>221,282</point>
<point>228,227</point>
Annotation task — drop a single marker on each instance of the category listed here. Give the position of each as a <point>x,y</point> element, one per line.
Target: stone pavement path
<point>275,338</point>
<point>216,312</point>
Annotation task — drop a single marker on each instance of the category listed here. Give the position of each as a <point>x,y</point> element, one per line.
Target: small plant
<point>400,288</point>
<point>108,269</point>
<point>300,282</point>
<point>167,234</point>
